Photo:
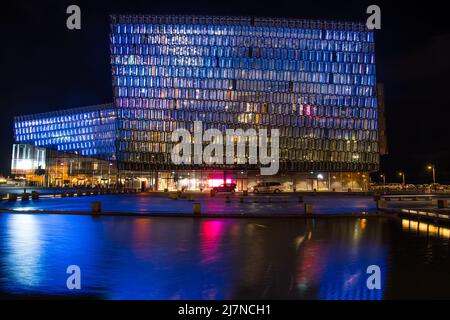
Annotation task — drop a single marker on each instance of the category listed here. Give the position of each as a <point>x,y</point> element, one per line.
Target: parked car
<point>393,186</point>
<point>376,187</point>
<point>410,187</point>
<point>269,187</point>
<point>226,187</point>
<point>436,187</point>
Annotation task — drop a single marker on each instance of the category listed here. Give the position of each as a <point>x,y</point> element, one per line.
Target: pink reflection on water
<point>210,235</point>
<point>311,264</point>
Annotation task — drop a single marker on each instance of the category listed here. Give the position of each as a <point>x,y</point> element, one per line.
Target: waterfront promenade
<point>223,204</point>
<point>162,203</point>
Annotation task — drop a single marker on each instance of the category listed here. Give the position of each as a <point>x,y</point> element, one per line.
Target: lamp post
<point>56,173</point>
<point>432,168</point>
<point>62,175</point>
<point>402,174</point>
<point>70,172</point>
<point>382,176</point>
<point>109,175</point>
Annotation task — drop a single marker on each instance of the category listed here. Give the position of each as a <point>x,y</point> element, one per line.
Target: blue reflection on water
<point>38,251</point>
<point>343,281</point>
<point>334,267</point>
<point>24,246</point>
<point>172,258</point>
<point>345,277</point>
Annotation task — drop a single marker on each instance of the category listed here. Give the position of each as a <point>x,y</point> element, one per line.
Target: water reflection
<point>24,250</point>
<point>211,232</point>
<point>172,258</point>
<point>424,228</point>
<point>334,268</point>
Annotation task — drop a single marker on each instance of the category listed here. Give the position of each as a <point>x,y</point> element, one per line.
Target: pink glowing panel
<point>217,182</point>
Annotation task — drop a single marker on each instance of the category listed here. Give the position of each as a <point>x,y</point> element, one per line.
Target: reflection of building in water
<point>337,270</point>
<point>24,251</point>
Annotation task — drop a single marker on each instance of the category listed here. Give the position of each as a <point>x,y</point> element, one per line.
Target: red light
<point>217,182</point>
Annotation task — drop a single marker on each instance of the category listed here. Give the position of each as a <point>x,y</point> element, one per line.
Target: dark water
<point>185,258</point>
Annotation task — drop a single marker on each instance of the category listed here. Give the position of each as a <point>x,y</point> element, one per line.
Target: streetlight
<point>109,175</point>
<point>382,176</point>
<point>402,174</point>
<point>70,172</point>
<point>62,177</point>
<point>432,168</point>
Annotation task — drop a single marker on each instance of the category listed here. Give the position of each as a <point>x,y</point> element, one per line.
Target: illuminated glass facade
<point>313,80</point>
<point>87,131</point>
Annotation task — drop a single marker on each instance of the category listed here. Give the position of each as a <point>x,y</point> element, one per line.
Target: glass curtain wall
<point>313,80</point>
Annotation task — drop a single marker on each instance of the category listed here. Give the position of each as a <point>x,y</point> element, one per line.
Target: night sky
<point>46,67</point>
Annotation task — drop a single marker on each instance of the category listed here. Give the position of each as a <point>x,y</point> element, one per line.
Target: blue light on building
<point>87,131</point>
<point>314,80</point>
